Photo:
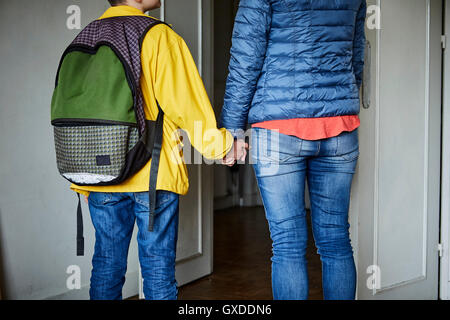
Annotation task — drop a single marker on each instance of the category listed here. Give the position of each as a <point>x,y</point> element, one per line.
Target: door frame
<point>444,291</point>
<point>205,175</point>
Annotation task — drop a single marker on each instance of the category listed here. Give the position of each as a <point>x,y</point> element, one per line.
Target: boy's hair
<point>116,2</point>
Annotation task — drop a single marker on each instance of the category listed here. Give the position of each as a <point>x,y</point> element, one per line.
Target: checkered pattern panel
<point>124,34</point>
<point>78,148</point>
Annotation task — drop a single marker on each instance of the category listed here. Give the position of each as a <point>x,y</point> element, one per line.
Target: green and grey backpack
<point>101,135</point>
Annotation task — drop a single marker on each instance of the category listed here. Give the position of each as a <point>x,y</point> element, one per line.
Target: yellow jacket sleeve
<point>182,96</point>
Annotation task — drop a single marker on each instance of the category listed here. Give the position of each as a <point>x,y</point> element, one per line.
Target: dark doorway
<point>242,251</point>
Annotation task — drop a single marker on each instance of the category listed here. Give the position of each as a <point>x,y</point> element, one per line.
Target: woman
<point>295,73</point>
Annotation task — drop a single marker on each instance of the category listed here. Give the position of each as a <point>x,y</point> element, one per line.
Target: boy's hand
<point>86,199</point>
<point>237,153</point>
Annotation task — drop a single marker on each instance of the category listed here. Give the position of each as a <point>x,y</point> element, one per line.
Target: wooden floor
<point>242,251</point>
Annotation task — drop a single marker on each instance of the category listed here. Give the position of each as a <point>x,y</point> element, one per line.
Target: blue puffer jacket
<point>295,59</point>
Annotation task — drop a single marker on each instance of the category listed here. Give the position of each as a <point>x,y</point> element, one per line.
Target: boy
<point>169,76</point>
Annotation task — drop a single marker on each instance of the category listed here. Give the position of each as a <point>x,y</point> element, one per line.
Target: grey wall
<point>37,209</point>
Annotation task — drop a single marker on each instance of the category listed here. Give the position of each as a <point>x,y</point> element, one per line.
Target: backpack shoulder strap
<point>156,155</point>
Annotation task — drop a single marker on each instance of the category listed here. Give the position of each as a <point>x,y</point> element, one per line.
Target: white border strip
<point>426,141</point>
<point>445,182</point>
<point>377,147</point>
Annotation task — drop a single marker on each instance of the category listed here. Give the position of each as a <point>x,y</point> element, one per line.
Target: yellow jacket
<point>169,75</point>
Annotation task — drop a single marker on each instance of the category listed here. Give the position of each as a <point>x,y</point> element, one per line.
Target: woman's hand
<point>237,153</point>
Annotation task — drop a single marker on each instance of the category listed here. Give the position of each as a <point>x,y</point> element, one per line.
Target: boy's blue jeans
<point>282,164</point>
<point>114,216</point>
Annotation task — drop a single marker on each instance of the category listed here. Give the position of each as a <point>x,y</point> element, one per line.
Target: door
<point>395,204</point>
<point>192,19</point>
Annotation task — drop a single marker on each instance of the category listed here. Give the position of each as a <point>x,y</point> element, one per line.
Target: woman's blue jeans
<point>114,216</point>
<point>282,165</point>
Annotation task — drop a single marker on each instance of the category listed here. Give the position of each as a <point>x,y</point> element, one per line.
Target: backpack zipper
<point>90,122</point>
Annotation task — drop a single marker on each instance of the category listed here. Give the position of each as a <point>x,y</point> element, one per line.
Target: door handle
<point>367,85</point>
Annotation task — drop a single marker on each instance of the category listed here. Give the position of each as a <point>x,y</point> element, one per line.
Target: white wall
<point>37,209</point>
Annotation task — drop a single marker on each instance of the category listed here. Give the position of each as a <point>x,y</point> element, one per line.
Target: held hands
<point>237,153</point>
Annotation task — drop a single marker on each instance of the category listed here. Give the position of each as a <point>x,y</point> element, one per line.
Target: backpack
<point>97,112</point>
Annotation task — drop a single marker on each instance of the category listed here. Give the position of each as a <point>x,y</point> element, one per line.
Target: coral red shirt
<point>312,128</point>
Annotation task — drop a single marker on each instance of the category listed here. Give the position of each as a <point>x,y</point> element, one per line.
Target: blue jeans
<point>114,216</point>
<point>282,165</point>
